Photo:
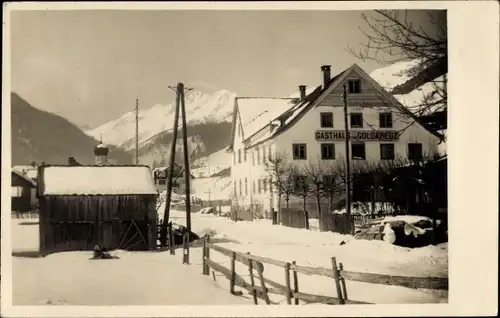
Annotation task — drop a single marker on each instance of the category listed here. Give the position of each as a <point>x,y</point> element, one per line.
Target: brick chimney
<point>302,89</point>
<point>325,69</point>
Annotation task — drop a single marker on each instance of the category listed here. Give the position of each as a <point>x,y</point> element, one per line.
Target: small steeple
<point>101,153</point>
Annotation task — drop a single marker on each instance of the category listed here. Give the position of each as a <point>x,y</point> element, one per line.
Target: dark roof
<point>25,178</point>
<point>439,68</point>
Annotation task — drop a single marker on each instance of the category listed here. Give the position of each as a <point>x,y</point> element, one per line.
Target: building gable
<point>372,95</point>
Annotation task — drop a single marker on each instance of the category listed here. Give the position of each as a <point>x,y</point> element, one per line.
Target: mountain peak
<point>200,108</point>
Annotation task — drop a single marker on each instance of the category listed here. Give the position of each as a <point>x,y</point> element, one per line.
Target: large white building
<point>309,130</point>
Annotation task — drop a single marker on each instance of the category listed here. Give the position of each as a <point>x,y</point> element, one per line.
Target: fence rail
<point>290,288</point>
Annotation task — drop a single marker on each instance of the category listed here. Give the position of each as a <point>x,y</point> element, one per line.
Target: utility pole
<point>166,214</point>
<point>347,163</point>
<point>187,173</point>
<point>137,131</point>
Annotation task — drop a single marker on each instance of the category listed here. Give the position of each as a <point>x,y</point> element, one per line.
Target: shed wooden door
<point>71,224</point>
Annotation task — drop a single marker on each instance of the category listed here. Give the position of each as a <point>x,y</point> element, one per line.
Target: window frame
<point>421,151</point>
<point>380,121</point>
<point>297,156</point>
<point>324,146</point>
<point>323,124</point>
<point>364,150</point>
<point>382,145</point>
<point>356,114</point>
<point>353,81</point>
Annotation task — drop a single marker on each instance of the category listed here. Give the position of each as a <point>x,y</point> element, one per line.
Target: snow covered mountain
<point>200,108</point>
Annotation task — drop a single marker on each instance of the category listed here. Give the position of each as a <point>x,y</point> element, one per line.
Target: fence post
<point>287,284</point>
<point>306,215</point>
<point>185,248</point>
<point>207,254</point>
<point>337,281</point>
<point>252,280</point>
<point>233,273</point>
<point>170,239</point>
<point>342,281</point>
<point>204,257</point>
<point>295,283</point>
<point>260,270</point>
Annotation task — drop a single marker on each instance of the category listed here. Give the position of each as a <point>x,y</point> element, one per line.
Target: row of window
<point>241,155</point>
<point>356,120</point>
<point>358,151</point>
<point>261,186</point>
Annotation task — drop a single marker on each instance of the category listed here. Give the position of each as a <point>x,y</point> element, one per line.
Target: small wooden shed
<point>82,206</point>
<point>23,192</point>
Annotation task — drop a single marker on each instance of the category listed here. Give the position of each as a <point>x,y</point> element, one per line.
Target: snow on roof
<point>396,74</point>
<point>29,171</point>
<point>25,177</point>
<point>97,180</point>
<point>257,112</point>
<point>290,114</point>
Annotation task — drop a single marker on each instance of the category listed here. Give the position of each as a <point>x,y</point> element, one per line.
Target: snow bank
<point>95,180</point>
<point>136,278</point>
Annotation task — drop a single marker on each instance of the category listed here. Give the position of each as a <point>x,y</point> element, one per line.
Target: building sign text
<point>373,135</point>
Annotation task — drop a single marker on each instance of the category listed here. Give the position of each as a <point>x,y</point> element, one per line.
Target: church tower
<point>101,154</point>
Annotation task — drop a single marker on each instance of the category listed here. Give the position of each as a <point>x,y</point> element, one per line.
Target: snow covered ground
<point>136,278</point>
<point>314,248</point>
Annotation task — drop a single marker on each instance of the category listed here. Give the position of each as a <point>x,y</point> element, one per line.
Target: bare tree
<point>393,36</point>
<point>333,184</point>
<point>282,175</point>
<point>314,174</point>
<point>301,186</point>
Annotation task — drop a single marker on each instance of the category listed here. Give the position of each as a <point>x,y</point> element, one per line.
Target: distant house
<point>82,206</point>
<point>23,192</point>
<point>160,175</point>
<point>73,162</point>
<point>29,171</point>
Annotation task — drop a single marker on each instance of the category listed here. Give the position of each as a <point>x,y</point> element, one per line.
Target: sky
<point>90,66</point>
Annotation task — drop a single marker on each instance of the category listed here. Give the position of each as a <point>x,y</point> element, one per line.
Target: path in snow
<point>137,278</point>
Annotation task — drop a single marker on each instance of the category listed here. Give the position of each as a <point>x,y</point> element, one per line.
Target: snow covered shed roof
<point>96,180</point>
<point>24,178</point>
<point>29,171</point>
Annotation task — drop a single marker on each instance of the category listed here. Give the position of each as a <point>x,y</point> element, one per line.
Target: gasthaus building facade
<point>308,129</point>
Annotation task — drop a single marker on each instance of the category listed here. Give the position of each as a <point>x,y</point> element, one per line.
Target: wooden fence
<point>338,223</point>
<point>295,218</point>
<point>241,214</point>
<point>290,288</point>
